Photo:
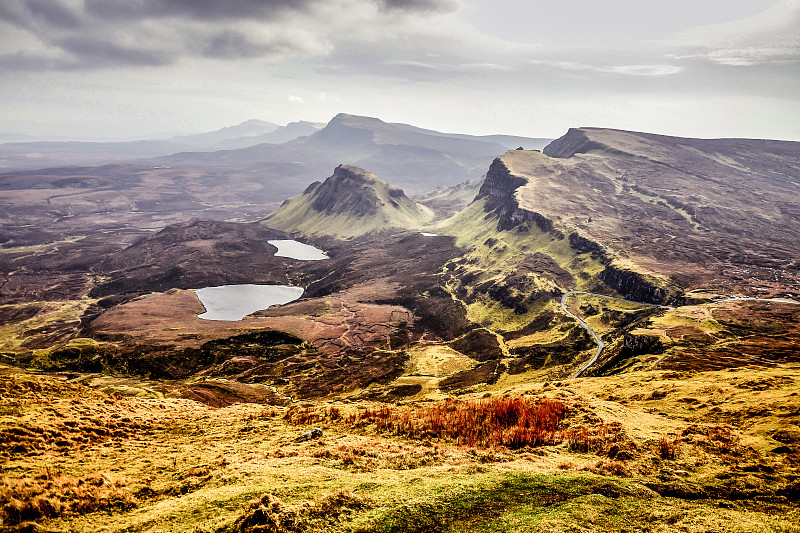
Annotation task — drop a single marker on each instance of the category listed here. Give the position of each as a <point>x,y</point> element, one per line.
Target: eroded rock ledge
<point>498,189</point>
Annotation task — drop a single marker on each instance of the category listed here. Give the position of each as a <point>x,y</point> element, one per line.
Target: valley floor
<point>645,451</point>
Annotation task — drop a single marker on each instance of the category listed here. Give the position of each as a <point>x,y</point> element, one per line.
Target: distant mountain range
<point>20,153</point>
<point>667,223</point>
<point>413,158</point>
<point>406,156</point>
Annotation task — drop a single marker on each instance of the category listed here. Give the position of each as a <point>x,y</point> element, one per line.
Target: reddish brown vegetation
<point>511,422</point>
<point>605,439</point>
<point>303,415</point>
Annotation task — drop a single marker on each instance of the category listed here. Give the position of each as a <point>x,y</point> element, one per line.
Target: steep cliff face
<point>698,211</point>
<point>581,244</point>
<point>499,190</point>
<point>633,285</point>
<point>521,258</point>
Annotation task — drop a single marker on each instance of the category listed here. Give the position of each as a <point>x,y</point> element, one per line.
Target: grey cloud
<point>769,37</point>
<point>747,56</point>
<point>652,69</point>
<point>31,13</point>
<point>113,33</point>
<point>419,5</point>
<point>194,9</point>
<point>53,13</point>
<point>349,64</point>
<point>99,34</point>
<point>89,56</point>
<point>96,52</point>
<point>231,44</point>
<point>23,61</point>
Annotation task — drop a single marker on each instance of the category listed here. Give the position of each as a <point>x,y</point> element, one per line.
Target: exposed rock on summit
<point>350,203</point>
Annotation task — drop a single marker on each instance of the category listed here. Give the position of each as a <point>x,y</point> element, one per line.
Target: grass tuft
<point>269,514</point>
<point>666,449</point>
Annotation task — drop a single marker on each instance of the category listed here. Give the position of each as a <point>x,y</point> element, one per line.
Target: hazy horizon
<point>114,70</point>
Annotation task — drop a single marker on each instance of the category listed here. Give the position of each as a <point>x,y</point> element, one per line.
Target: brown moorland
<point>436,367</point>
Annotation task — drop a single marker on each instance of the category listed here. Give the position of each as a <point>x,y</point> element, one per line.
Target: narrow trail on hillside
<point>601,345</point>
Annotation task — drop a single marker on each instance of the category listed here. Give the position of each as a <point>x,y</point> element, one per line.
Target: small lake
<point>234,302</point>
<point>297,250</point>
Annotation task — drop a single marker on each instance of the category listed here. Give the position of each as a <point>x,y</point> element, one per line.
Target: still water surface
<point>297,250</point>
<point>234,302</point>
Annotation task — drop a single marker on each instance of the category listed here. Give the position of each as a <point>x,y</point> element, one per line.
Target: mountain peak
<point>351,202</point>
<point>345,172</point>
<point>356,121</point>
<point>348,117</point>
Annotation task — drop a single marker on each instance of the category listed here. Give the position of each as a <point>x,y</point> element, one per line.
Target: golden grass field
<point>645,451</point>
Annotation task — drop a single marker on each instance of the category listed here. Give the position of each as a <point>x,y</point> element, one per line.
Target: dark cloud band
<point>193,9</point>
<point>115,33</point>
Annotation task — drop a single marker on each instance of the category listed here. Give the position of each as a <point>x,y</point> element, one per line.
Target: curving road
<point>584,325</point>
<point>601,345</point>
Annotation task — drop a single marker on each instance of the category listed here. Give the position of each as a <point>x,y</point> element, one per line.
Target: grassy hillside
<point>626,455</point>
<point>518,262</point>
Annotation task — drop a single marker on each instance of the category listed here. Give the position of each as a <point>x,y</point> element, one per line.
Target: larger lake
<point>234,302</point>
<point>297,250</point>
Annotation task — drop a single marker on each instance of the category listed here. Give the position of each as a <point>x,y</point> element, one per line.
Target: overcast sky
<point>125,68</point>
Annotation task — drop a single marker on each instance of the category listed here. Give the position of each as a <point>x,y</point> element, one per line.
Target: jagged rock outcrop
<point>530,192</point>
<point>639,344</point>
<point>632,285</point>
<point>350,203</point>
<point>499,189</point>
<point>349,190</point>
<point>692,212</point>
<point>581,244</point>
